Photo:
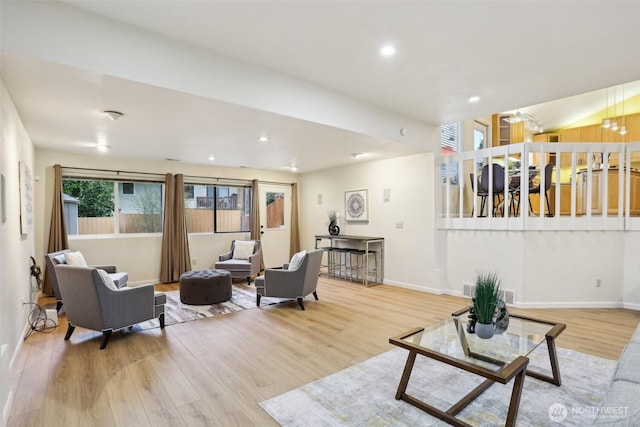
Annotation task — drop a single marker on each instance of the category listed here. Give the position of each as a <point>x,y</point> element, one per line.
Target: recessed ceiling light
<point>113,115</point>
<point>263,138</point>
<point>102,148</point>
<point>357,155</point>
<point>211,158</point>
<point>388,50</point>
<point>473,98</point>
<point>293,168</point>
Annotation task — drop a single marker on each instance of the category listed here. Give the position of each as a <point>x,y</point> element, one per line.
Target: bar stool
<point>358,255</point>
<point>338,264</point>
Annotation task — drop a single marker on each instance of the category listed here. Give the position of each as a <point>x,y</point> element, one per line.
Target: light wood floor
<point>215,371</point>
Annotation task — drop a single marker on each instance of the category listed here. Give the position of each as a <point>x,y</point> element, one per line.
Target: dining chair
<point>497,172</point>
<point>548,170</point>
<point>475,183</point>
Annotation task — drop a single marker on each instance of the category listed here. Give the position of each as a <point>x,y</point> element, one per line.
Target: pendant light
<point>606,123</point>
<point>623,128</point>
<point>614,123</point>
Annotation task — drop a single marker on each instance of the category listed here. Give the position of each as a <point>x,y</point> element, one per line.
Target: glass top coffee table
<point>498,359</point>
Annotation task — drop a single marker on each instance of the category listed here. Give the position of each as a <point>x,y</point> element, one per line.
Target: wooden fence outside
<point>275,213</point>
<point>198,221</point>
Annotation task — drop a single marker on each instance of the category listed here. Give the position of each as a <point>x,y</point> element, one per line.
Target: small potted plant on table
<point>485,303</point>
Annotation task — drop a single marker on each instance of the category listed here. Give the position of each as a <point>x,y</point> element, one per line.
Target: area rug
<point>364,394</point>
<point>176,312</point>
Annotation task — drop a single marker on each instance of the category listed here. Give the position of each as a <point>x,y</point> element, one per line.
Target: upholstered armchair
<point>295,280</point>
<point>55,258</point>
<point>92,301</point>
<point>243,260</point>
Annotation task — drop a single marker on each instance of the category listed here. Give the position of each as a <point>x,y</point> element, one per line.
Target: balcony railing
<point>593,186</point>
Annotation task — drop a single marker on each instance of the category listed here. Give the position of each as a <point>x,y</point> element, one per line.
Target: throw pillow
<point>107,280</point>
<point>296,260</point>
<point>243,249</point>
<point>75,258</point>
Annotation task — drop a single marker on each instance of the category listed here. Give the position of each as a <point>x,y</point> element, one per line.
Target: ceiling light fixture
<point>388,50</point>
<point>519,117</point>
<point>102,148</point>
<point>263,138</point>
<point>614,123</point>
<point>113,115</point>
<point>293,168</point>
<point>623,128</point>
<point>606,123</point>
<point>473,99</point>
<point>357,155</point>
<point>211,158</point>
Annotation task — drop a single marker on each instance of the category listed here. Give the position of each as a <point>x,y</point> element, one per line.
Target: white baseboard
<point>7,408</point>
<point>631,306</point>
<point>423,288</point>
<point>518,304</point>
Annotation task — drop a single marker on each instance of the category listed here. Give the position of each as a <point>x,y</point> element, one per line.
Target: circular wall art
<point>356,205</point>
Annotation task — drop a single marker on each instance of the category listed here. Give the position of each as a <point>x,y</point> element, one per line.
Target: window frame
<point>117,207</point>
<point>216,195</point>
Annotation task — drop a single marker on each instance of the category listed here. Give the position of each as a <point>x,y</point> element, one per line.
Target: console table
<point>365,245</point>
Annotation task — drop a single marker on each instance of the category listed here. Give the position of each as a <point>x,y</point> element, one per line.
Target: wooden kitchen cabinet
<point>572,135</point>
<point>612,193</point>
<point>544,138</point>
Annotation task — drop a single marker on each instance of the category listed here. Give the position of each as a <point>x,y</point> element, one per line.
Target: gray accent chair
<point>285,283</point>
<point>92,303</point>
<point>55,258</point>
<point>241,268</point>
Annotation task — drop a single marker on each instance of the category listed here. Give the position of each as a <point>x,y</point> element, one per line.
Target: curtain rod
<point>162,174</point>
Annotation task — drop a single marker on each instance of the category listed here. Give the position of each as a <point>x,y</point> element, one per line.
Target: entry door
<point>275,224</point>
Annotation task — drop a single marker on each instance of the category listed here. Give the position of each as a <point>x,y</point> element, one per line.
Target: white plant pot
<point>484,330</point>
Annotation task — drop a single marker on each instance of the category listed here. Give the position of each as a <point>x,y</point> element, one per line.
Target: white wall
<point>410,250</point>
<point>549,268</point>
<point>15,248</point>
<point>631,281</point>
<point>138,255</point>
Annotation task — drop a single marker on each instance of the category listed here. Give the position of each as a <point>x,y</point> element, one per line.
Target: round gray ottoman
<point>202,287</point>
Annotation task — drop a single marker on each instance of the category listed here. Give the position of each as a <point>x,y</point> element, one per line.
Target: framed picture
<point>3,203</point>
<point>355,205</point>
<point>26,199</point>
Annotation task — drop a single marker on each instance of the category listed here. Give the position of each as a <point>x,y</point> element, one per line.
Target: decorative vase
<point>484,330</point>
<point>501,321</point>
<point>472,320</point>
<point>334,230</point>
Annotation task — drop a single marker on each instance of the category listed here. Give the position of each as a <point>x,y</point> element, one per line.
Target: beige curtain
<point>294,246</point>
<point>166,263</point>
<point>181,256</point>
<point>175,243</point>
<point>256,231</point>
<point>58,239</point>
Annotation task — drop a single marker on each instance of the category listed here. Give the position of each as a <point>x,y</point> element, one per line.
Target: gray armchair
<point>95,303</point>
<point>287,283</point>
<point>241,268</point>
<point>55,258</point>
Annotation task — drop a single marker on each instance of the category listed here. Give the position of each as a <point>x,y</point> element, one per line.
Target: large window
<point>219,209</point>
<point>111,207</point>
<point>450,143</point>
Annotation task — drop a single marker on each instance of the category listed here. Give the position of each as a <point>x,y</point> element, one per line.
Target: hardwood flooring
<point>214,372</point>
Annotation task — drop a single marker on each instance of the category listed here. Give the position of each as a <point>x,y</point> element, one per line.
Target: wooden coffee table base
<point>515,370</point>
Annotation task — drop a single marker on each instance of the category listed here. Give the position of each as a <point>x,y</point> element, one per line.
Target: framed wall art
<point>3,202</point>
<point>26,199</point>
<point>356,206</point>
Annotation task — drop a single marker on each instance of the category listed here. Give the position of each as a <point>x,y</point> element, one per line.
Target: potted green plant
<point>334,230</point>
<point>485,302</point>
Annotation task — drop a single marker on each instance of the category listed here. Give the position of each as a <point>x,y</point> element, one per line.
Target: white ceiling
<point>512,54</point>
